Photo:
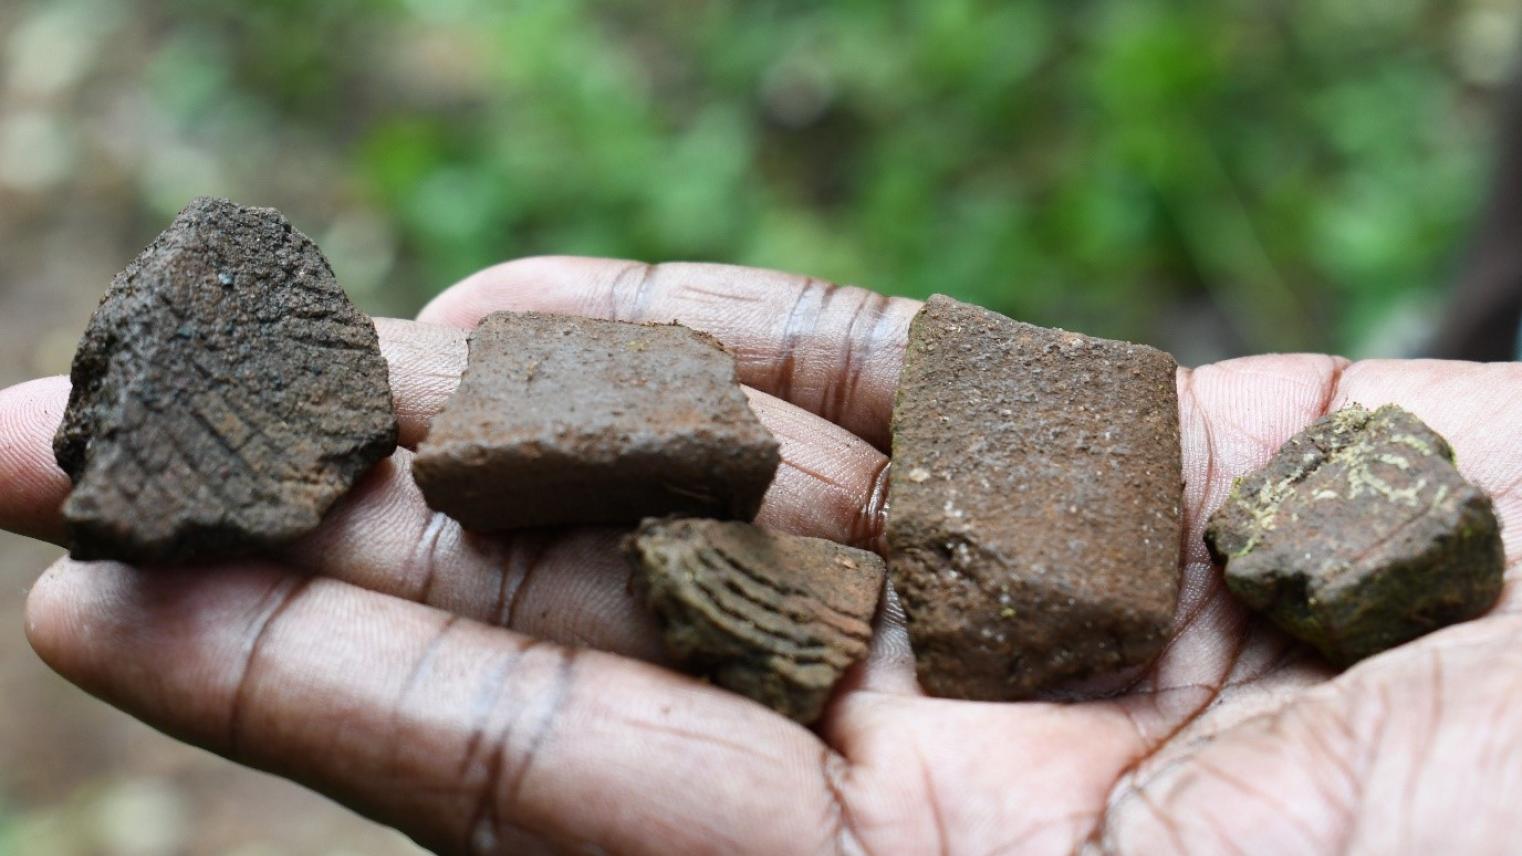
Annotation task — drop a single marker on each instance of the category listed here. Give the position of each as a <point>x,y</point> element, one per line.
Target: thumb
<point>467,737</point>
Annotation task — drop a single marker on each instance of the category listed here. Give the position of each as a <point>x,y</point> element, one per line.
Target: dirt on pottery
<point>1360,534</point>
<point>225,394</point>
<point>1034,517</point>
<point>778,618</point>
<point>562,420</point>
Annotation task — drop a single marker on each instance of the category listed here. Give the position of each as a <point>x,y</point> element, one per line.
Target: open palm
<point>489,695</point>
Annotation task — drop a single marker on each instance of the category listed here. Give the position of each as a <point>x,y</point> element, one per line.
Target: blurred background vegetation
<point>1214,178</point>
<point>1217,178</point>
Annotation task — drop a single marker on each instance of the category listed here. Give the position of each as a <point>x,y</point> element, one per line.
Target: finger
<point>821,461</point>
<point>468,738</point>
<point>569,586</point>
<point>426,362</point>
<point>834,351</point>
<point>1476,406</point>
<point>889,666</point>
<point>831,484</point>
<point>572,586</point>
<point>33,485</point>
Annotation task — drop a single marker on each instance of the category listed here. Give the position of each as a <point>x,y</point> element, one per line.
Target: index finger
<point>34,486</point>
<point>833,350</point>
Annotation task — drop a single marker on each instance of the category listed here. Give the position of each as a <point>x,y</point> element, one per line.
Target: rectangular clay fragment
<point>1034,515</point>
<point>778,618</point>
<point>1360,534</point>
<point>562,420</point>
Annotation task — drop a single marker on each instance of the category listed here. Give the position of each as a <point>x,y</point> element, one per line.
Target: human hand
<point>488,695</point>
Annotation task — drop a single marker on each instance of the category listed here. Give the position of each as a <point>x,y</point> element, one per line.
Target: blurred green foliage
<point>1289,175</point>
<point>9,846</point>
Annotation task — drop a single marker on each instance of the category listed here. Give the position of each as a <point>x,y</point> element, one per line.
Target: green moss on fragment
<point>1360,534</point>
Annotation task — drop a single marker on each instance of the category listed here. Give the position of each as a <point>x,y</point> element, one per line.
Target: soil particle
<point>562,420</point>
<point>778,618</point>
<point>1034,504</point>
<point>225,394</point>
<point>1360,534</point>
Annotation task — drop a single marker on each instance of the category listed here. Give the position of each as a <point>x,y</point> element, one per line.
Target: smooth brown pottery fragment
<point>225,394</point>
<point>1360,534</point>
<point>778,618</point>
<point>562,420</point>
<point>1034,502</point>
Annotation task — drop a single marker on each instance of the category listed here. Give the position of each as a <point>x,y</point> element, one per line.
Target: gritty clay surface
<point>225,394</point>
<point>1360,534</point>
<point>1034,502</point>
<point>778,618</point>
<point>561,420</point>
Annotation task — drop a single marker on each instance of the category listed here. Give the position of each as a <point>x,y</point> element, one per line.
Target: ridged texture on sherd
<point>225,394</point>
<point>778,618</point>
